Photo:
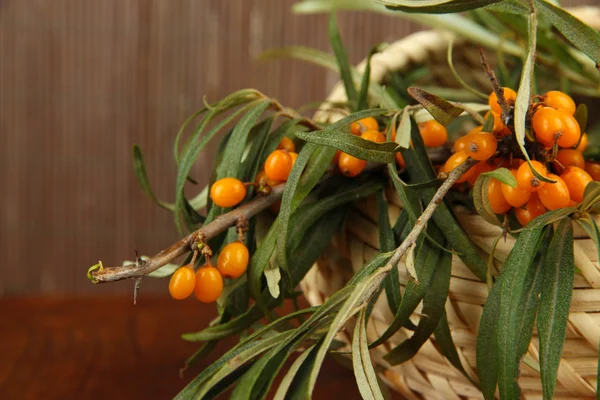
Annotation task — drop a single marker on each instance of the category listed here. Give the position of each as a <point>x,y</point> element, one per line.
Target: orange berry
<point>278,165</point>
<point>287,144</point>
<point>554,195</point>
<point>261,177</point>
<point>515,196</point>
<point>560,101</point>
<point>481,146</point>
<point>499,129</point>
<point>583,143</point>
<point>233,260</point>
<point>461,144</point>
<point>479,168</point>
<point>548,125</point>
<point>393,133</point>
<point>227,192</point>
<point>454,161</point>
<point>363,125</point>
<point>400,160</point>
<point>294,157</point>
<point>593,169</point>
<point>526,180</point>
<point>509,95</point>
<point>533,209</point>
<point>571,132</point>
<point>209,284</point>
<point>350,165</point>
<point>496,198</point>
<point>373,136</point>
<point>576,180</point>
<point>182,283</point>
<point>433,133</point>
<point>568,158</point>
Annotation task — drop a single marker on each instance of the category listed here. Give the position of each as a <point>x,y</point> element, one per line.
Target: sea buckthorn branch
<point>437,199</point>
<point>207,232</point>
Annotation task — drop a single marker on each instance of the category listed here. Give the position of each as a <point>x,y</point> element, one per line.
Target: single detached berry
<point>227,192</point>
<point>182,282</point>
<point>559,101</point>
<point>350,165</point>
<point>279,165</point>
<point>526,179</point>
<point>433,133</point>
<point>209,284</point>
<point>287,144</point>
<point>515,196</point>
<point>509,95</point>
<point>576,180</point>
<point>533,209</point>
<point>496,199</point>
<point>555,195</point>
<point>233,260</point>
<point>363,125</point>
<point>481,146</point>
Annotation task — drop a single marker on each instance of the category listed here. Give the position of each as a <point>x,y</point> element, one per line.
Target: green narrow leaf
<point>589,225</point>
<point>230,162</point>
<point>361,294</point>
<point>142,178</point>
<point>591,196</point>
<point>513,276</point>
<point>443,338</point>
<point>524,93</point>
<point>342,60</point>
<point>366,379</point>
<point>509,6</point>
<point>403,133</point>
<point>549,217</point>
<point>294,369</point>
<point>352,144</point>
<point>190,153</point>
<point>433,310</point>
<point>503,175</point>
<point>486,348</point>
<point>443,111</point>
<point>363,94</point>
<point>481,201</point>
<point>388,243</point>
<point>255,153</point>
<point>582,36</point>
<point>581,116</point>
<point>436,6</point>
<point>312,162</point>
<point>555,301</point>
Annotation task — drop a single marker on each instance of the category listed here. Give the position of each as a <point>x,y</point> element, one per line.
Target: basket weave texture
<point>429,375</point>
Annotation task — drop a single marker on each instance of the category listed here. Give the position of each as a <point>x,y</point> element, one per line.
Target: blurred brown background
<point>81,81</point>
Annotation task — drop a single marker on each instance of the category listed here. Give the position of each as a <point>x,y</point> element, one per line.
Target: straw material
<point>429,375</point>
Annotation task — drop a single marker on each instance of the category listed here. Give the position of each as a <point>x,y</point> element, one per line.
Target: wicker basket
<point>429,375</point>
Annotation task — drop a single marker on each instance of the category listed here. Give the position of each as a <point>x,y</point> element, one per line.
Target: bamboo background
<point>81,81</point>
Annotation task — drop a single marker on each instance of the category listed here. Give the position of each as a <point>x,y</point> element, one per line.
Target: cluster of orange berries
<point>207,282</point>
<point>558,136</point>
<point>433,133</point>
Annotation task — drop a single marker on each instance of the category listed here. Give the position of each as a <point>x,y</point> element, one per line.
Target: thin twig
<point>209,231</point>
<point>499,90</point>
<point>428,213</point>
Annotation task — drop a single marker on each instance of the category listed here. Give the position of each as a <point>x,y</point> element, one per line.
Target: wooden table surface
<point>89,348</point>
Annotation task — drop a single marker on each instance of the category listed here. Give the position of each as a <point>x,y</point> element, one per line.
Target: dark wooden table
<point>65,348</point>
